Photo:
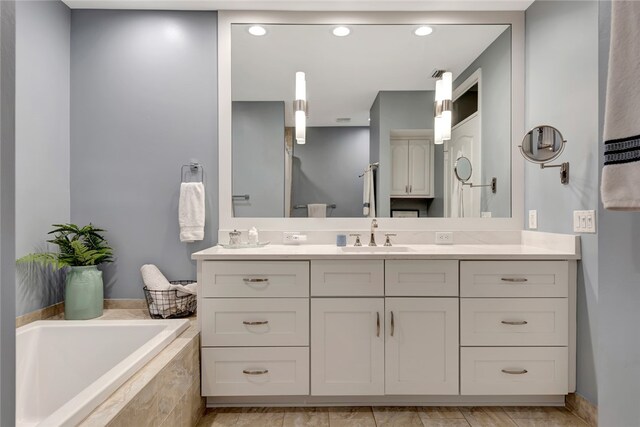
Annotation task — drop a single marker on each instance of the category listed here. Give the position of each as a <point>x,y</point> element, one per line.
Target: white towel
<point>621,172</point>
<point>368,195</point>
<point>153,278</point>
<point>317,210</point>
<point>191,211</point>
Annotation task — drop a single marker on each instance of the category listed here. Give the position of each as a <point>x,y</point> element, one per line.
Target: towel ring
<point>193,168</point>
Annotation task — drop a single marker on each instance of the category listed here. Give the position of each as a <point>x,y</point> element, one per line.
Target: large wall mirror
<point>369,147</point>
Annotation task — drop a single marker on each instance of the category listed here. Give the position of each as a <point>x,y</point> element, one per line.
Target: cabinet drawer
<point>514,370</point>
<point>510,321</point>
<point>255,322</point>
<point>347,278</point>
<point>514,279</point>
<point>255,279</point>
<point>255,371</point>
<point>421,278</point>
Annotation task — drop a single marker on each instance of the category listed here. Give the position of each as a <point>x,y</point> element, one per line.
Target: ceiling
<point>310,5</point>
<point>345,74</point>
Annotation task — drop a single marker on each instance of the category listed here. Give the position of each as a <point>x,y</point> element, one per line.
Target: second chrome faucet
<point>374,225</point>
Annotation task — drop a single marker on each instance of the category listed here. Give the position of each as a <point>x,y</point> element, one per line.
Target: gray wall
<point>326,169</point>
<point>7,215</point>
<point>619,292</point>
<point>562,90</point>
<point>495,63</point>
<point>143,102</point>
<point>42,141</point>
<point>258,158</point>
<point>399,110</point>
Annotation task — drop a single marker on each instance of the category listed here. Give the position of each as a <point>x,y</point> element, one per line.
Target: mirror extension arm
<point>493,185</point>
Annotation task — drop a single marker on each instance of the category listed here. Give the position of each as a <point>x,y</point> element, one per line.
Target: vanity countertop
<point>458,251</point>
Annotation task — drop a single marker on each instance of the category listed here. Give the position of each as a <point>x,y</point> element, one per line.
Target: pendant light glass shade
<point>442,108</point>
<point>300,108</point>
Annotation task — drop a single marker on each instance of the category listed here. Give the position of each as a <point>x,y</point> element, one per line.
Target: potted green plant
<point>81,250</point>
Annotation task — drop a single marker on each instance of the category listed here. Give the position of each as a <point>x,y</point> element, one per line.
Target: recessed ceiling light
<point>257,30</point>
<point>341,31</point>
<point>423,31</point>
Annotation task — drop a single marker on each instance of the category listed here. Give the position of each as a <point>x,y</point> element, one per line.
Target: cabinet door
<point>347,346</point>
<point>420,168</point>
<point>399,167</point>
<point>421,349</point>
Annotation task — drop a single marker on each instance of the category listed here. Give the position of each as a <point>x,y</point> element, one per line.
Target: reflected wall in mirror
<point>370,100</point>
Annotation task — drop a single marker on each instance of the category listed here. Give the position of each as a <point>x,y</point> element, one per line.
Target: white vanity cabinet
<point>347,346</point>
<point>411,168</point>
<point>381,327</point>
<point>514,327</point>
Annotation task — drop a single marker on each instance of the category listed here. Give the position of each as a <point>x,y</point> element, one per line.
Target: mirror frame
<point>228,222</point>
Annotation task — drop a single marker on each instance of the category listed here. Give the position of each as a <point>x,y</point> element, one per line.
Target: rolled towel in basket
<point>154,280</point>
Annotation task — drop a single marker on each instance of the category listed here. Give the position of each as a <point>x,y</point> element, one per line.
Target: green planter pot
<point>83,293</point>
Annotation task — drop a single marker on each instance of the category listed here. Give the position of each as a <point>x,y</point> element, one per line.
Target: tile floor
<point>391,417</point>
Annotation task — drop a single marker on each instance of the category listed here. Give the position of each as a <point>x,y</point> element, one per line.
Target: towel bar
<point>194,168</point>
<point>305,206</point>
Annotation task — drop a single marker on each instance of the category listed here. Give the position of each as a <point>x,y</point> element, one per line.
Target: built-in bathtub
<point>65,369</point>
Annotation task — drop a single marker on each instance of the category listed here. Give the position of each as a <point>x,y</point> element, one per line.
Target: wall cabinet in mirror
<point>412,168</point>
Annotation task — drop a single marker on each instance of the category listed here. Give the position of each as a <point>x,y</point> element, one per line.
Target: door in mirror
<point>542,144</point>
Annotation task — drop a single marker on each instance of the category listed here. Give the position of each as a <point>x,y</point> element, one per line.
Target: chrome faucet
<point>374,225</point>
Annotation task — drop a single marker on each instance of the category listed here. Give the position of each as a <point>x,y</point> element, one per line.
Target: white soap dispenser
<point>253,236</point>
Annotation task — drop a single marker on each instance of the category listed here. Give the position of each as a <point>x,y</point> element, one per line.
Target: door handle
<point>378,324</point>
<point>393,325</point>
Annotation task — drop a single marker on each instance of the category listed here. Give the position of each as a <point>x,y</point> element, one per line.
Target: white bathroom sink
<point>369,249</point>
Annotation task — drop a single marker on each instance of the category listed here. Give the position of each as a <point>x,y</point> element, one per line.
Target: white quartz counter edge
<point>461,252</point>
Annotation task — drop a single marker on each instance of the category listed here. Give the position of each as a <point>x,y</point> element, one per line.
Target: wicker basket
<point>168,304</point>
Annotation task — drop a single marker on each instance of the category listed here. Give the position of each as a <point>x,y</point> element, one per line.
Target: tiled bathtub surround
<point>56,311</point>
<point>43,314</point>
<point>408,416</point>
<point>165,392</point>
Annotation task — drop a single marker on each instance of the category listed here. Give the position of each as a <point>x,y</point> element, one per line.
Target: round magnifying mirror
<point>463,169</point>
<point>542,144</point>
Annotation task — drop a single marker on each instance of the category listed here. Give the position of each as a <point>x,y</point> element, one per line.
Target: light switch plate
<point>584,221</point>
<point>533,220</point>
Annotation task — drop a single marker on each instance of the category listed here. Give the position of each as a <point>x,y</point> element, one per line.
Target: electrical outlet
<point>533,220</point>
<point>293,237</point>
<point>444,238</point>
<point>584,221</point>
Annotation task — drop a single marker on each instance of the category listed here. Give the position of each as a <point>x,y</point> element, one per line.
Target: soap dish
<point>244,245</point>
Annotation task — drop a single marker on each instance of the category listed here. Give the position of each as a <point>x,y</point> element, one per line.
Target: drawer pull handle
<point>515,322</point>
<point>378,324</point>
<point>514,372</point>
<point>514,279</point>
<point>258,322</point>
<point>246,280</point>
<point>255,372</point>
<point>393,324</point>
